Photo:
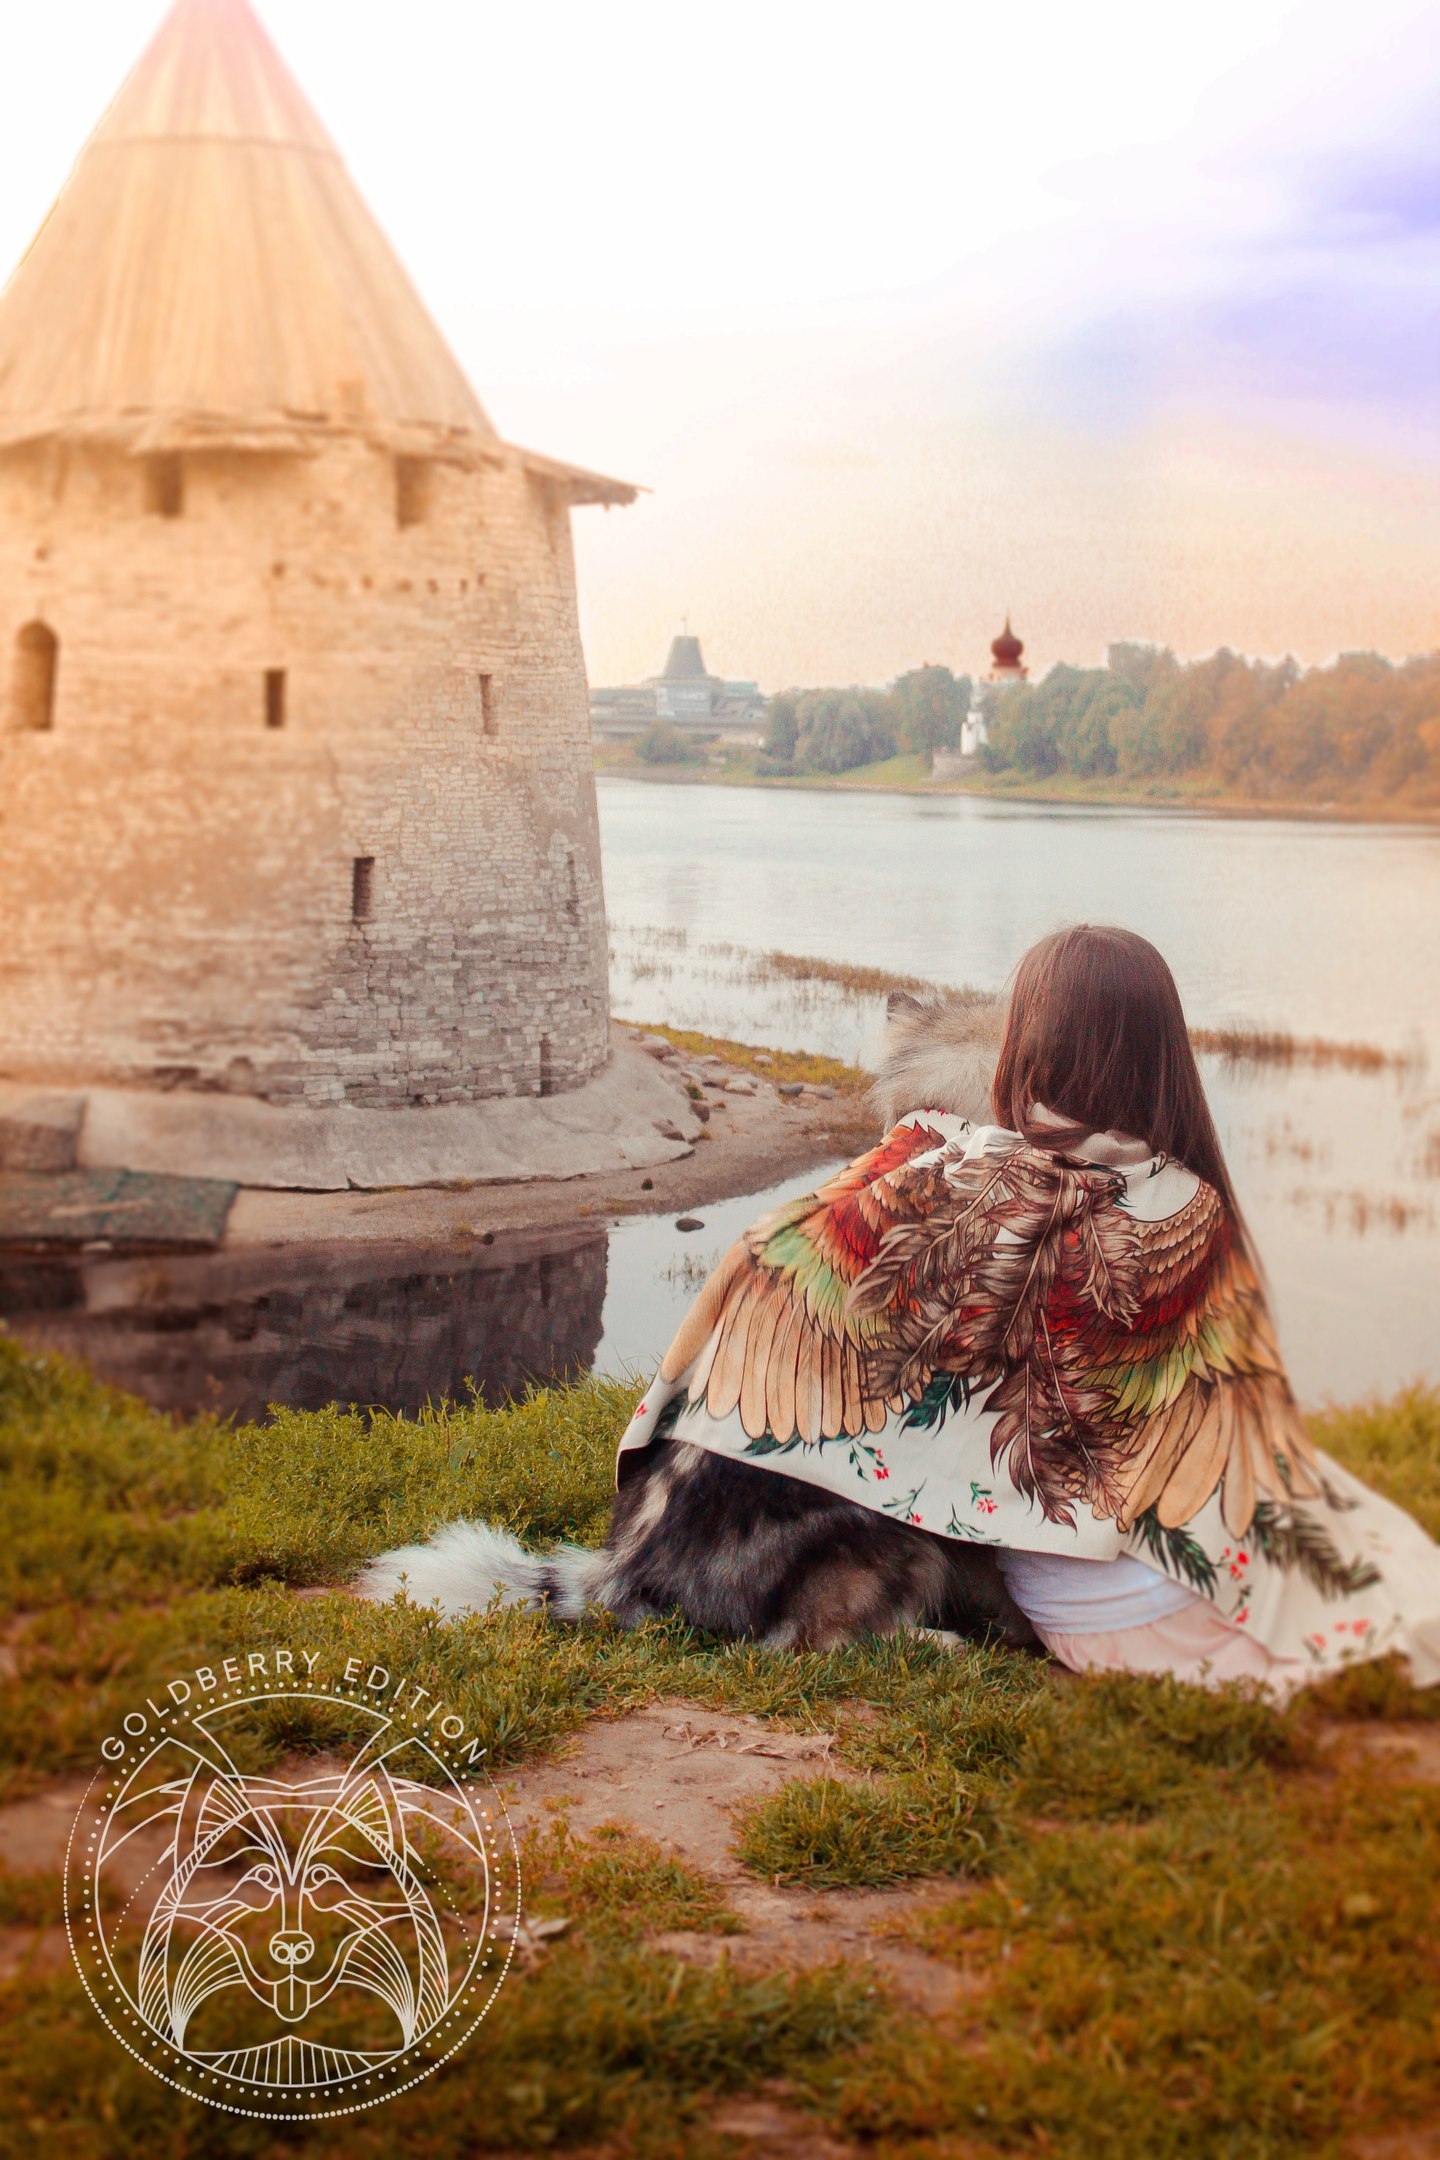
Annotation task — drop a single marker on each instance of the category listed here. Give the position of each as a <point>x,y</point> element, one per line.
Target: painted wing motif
<point>1199,1381</point>
<point>1004,1282</point>
<point>1130,1365</point>
<point>771,1329</point>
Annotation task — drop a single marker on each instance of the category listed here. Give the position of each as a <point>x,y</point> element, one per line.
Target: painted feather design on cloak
<point>1132,1366</point>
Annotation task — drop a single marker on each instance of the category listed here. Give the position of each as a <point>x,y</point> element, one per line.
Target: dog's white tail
<point>470,1567</point>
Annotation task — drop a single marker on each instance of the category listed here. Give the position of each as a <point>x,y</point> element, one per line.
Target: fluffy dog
<point>735,1549</point>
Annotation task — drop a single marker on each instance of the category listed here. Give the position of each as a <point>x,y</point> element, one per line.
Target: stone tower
<point>295,780</point>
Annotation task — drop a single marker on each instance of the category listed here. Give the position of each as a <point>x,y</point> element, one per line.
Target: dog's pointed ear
<point>900,1003</point>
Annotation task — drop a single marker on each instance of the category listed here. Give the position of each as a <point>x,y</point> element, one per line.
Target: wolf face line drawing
<point>294,1934</point>
<point>329,1894</point>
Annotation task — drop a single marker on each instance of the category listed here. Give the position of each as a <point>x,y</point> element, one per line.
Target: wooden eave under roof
<point>574,480</point>
<point>210,278</point>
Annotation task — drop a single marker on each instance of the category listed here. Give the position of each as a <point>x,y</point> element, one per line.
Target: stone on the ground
<point>688,1222</point>
<point>39,1132</point>
<point>790,1088</point>
<point>111,1210</point>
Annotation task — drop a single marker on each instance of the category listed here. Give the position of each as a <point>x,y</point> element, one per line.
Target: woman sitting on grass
<point>1040,1346</point>
<point>1050,1336</point>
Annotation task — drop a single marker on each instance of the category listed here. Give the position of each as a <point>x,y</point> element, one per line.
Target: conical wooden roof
<point>211,276</point>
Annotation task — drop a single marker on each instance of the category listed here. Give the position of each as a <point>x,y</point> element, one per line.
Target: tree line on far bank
<point>1362,727</point>
<point>833,731</point>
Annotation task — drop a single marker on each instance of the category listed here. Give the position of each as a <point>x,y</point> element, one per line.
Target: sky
<point>1123,318</point>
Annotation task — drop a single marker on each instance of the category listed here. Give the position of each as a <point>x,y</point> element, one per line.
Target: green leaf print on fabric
<point>1178,1552</point>
<point>1289,1539</point>
<point>946,1392</point>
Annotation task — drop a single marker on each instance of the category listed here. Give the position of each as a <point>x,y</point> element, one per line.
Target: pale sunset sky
<point>1123,317</point>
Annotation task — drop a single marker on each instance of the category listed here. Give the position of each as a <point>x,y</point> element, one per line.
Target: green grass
<point>600,2039</point>
<point>1253,1980</point>
<point>1394,1446</point>
<point>773,1065</point>
<point>1193,1929</point>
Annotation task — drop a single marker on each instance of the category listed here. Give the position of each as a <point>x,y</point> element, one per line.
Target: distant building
<point>686,695</point>
<point>1005,651</point>
<point>1006,666</point>
<point>974,733</point>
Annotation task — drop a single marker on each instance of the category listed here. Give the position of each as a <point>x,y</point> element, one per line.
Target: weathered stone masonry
<point>177,877</point>
<point>295,781</point>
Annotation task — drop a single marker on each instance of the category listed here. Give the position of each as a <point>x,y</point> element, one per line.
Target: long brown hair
<point>1095,1032</point>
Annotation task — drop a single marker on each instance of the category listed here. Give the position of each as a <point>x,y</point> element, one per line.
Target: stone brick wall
<point>177,877</point>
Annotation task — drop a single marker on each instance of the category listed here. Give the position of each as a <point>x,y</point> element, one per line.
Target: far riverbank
<point>909,775</point>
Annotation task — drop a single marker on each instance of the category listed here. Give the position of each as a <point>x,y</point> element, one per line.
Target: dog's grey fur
<point>735,1549</point>
<point>939,1054</point>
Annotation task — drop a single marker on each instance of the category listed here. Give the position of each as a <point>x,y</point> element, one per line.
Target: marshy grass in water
<point>741,964</point>
<point>1362,1213</point>
<point>1244,1046</point>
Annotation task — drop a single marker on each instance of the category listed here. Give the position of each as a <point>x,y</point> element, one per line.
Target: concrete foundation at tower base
<point>632,1116</point>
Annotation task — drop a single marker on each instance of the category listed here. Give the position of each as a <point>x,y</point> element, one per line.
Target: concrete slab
<point>39,1132</point>
<point>117,1209</point>
<point>634,1115</point>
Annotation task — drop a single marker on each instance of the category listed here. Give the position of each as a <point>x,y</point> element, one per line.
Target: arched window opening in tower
<point>274,697</point>
<point>547,1067</point>
<point>412,490</point>
<point>165,485</point>
<point>32,683</point>
<point>362,888</point>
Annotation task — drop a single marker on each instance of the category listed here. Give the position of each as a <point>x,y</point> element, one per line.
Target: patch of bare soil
<point>33,1837</point>
<point>1416,2141</point>
<point>676,1773</point>
<point>769,2129</point>
<point>673,1772</point>
<point>1412,1751</point>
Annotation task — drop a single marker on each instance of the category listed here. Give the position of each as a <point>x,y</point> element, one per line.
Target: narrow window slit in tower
<point>412,490</point>
<point>547,1067</point>
<point>32,686</point>
<point>487,705</point>
<point>362,887</point>
<point>165,485</point>
<point>275,697</point>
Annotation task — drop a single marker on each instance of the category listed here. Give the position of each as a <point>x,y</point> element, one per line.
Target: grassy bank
<point>910,775</point>
<point>1187,1924</point>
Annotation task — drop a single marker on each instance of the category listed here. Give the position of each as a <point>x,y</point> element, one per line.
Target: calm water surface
<point>1319,929</point>
<point>1327,931</point>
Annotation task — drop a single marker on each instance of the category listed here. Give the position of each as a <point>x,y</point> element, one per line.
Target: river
<point>1307,928</point>
<point>1326,931</point>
